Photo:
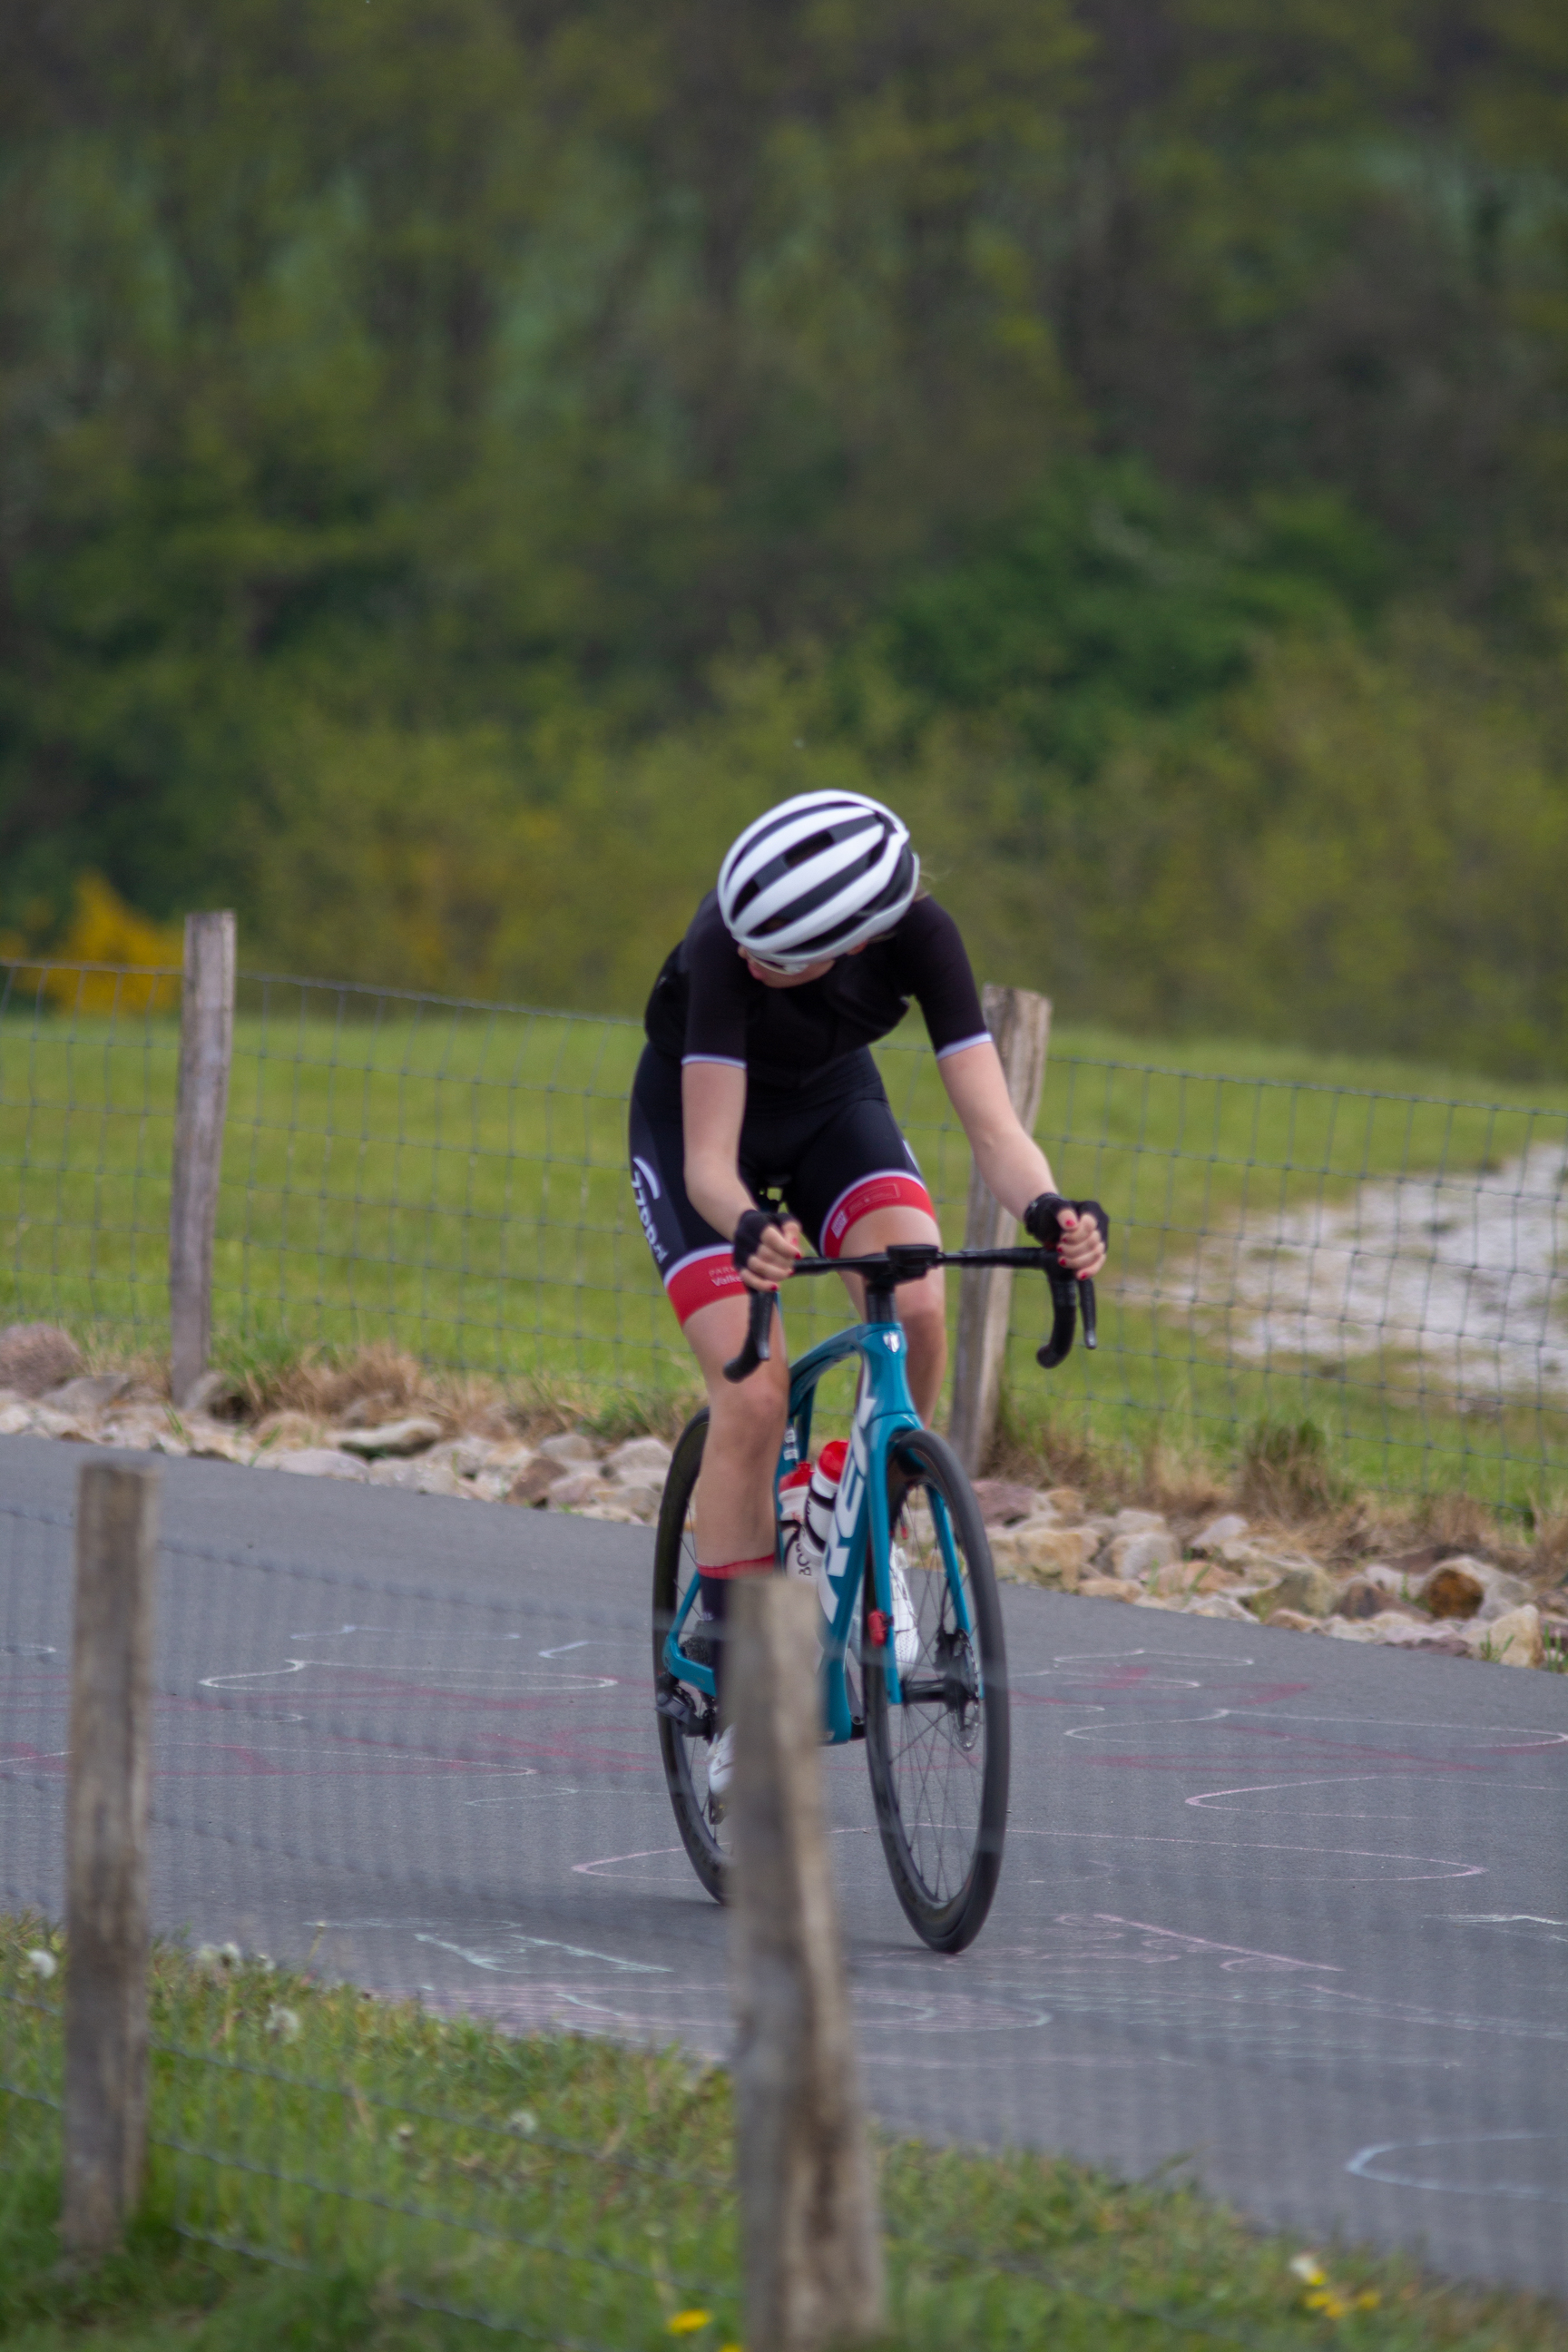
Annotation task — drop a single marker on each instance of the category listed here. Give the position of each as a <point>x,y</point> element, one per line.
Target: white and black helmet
<point>816,876</point>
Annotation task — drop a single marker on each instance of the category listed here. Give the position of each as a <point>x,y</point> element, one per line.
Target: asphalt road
<point>1292,1911</point>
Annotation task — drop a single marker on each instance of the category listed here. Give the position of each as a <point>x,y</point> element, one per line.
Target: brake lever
<point>1070,1295</point>
<point>759,1338</point>
<point>1064,1317</point>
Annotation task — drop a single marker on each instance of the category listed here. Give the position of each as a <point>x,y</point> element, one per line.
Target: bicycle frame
<point>883,1410</point>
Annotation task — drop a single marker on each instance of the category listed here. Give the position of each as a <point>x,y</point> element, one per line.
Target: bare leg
<point>733,1501</point>
<point>921,1305</point>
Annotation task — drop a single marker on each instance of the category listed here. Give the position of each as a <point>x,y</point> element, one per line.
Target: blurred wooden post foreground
<point>1020,1022</point>
<point>206,1048</point>
<point>812,2247</point>
<point>107,1946</point>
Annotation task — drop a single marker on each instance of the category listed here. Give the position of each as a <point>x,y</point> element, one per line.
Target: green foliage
<point>453,451</point>
<point>1102,602</point>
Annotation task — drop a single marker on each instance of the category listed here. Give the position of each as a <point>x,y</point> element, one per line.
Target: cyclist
<point>758,1073</point>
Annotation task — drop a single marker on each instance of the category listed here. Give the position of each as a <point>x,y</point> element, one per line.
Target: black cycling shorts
<point>834,1151</point>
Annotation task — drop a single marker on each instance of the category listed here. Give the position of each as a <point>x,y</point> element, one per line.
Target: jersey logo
<point>649,1179</point>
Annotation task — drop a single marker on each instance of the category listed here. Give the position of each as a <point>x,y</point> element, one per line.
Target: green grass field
<point>420,2182</point>
<point>452,1180</point>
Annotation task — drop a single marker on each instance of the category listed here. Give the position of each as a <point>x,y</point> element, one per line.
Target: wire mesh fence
<point>1288,1938</point>
<point>451,1178</point>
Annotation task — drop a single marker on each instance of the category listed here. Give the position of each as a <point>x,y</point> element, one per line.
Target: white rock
<point>641,1497</point>
<point>1140,1523</point>
<point>1041,1548</point>
<point>420,1476</point>
<point>1229,1528</point>
<point>16,1420</point>
<point>639,1461</point>
<point>1397,1632</point>
<point>573,1447</point>
<point>1340,1629</point>
<point>579,1487</point>
<point>1138,1551</point>
<point>89,1393</point>
<point>43,1420</point>
<point>317,1462</point>
<point>1219,1604</point>
<point>410,1436</point>
<point>1513,1639</point>
<point>1386,1579</point>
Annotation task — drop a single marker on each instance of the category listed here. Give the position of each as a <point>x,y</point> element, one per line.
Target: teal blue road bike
<point>928,1698</point>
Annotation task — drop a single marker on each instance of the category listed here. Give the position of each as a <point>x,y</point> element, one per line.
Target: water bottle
<point>792,1494</point>
<point>808,1553</point>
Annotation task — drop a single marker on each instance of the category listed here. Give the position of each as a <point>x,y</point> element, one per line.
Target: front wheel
<point>687,1720</point>
<point>940,1760</point>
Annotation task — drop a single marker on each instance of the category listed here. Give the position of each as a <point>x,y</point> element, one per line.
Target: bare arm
<point>1010,1161</point>
<point>712,1105</point>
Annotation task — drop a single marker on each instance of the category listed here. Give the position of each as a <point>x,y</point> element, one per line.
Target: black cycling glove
<point>1042,1218</point>
<point>752,1225</point>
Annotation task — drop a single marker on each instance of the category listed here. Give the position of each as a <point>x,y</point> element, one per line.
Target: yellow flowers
<point>1323,2295</point>
<point>686,2323</point>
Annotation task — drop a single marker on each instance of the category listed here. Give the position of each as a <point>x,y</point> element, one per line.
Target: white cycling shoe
<point>906,1631</point>
<point>721,1764</point>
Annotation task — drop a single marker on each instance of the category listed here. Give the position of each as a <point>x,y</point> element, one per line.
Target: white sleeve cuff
<point>964,1044</point>
<point>720,1061</point>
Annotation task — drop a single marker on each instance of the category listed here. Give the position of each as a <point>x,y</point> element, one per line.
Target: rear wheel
<point>687,1719</point>
<point>940,1760</point>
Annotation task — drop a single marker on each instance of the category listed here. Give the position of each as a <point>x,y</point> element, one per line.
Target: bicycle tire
<point>683,1751</point>
<point>939,1763</point>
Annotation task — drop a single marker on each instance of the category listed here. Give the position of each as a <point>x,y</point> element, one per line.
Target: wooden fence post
<point>107,1944</point>
<point>206,1047</point>
<point>813,2259</point>
<point>1020,1022</point>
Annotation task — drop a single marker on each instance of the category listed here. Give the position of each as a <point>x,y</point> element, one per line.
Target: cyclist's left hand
<point>1082,1244</point>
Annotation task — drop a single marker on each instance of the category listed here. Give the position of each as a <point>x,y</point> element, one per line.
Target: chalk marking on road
<point>336,1633</point>
<point>263,1674</point>
<point>1503,1918</point>
<point>1244,1956</point>
<point>1261,1845</point>
<point>1360,2166</point>
<point>608,1860</point>
<point>549,1944</point>
<point>562,1650</point>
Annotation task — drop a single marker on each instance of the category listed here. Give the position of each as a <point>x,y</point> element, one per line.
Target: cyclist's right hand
<point>765,1247</point>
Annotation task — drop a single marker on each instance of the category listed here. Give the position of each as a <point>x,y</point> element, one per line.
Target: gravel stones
<point>1004,1503</point>
<point>1041,1552</point>
<point>572,1447</point>
<point>1141,1551</point>
<point>316,1462</point>
<point>642,1461</point>
<point>37,1356</point>
<point>1302,1588</point>
<point>1230,1528</point>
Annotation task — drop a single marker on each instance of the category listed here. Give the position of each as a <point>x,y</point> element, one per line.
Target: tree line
<point>457,456</point>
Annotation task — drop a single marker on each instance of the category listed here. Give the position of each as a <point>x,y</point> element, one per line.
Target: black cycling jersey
<point>706,1006</point>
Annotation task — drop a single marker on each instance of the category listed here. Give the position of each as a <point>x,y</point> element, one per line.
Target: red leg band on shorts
<point>763,1567</point>
<point>699,1278</point>
<point>892,1188</point>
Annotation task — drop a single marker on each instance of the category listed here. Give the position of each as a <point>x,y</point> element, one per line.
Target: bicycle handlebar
<point>907,1262</point>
